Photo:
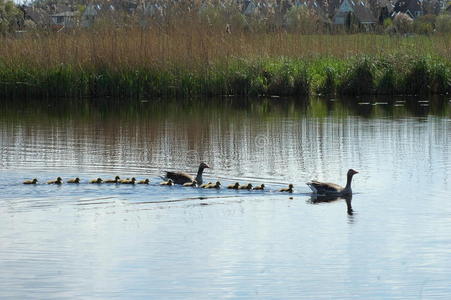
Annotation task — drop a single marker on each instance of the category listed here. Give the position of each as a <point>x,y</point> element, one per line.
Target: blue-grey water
<point>124,241</point>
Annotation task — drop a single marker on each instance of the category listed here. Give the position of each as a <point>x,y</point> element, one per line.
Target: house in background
<point>413,8</point>
<point>38,16</point>
<point>354,12</point>
<point>65,19</point>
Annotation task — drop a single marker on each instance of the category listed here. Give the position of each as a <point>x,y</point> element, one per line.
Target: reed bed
<point>196,60</point>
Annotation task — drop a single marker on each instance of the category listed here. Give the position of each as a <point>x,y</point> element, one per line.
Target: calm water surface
<point>158,242</point>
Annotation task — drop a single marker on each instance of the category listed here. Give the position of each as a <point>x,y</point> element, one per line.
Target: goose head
<point>59,179</point>
<point>170,182</point>
<point>34,181</point>
<point>218,184</point>
<point>290,186</point>
<point>117,178</point>
<point>352,172</point>
<point>203,166</point>
<point>77,180</point>
<point>99,180</point>
<point>249,186</point>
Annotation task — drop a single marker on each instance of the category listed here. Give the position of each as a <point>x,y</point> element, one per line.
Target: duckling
<point>203,186</point>
<point>145,181</point>
<point>191,184</point>
<point>245,187</point>
<point>57,181</point>
<point>98,181</point>
<point>261,187</point>
<point>115,180</point>
<point>288,190</point>
<point>34,181</point>
<point>217,185</point>
<point>129,181</point>
<point>234,186</point>
<point>169,182</point>
<point>75,180</point>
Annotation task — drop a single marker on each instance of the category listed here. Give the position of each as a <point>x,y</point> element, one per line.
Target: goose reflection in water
<point>317,199</point>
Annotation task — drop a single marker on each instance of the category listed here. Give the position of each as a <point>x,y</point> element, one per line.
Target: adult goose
<point>182,177</point>
<point>325,188</point>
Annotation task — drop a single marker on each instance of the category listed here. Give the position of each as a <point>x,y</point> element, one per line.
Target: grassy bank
<point>196,61</point>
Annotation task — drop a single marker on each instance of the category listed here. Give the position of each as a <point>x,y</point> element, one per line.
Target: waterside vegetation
<point>185,61</point>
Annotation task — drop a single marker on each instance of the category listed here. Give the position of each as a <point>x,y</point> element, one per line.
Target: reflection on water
<point>319,199</point>
<point>102,241</point>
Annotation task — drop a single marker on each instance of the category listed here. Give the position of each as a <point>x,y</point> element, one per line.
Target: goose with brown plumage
<point>326,188</point>
<point>182,177</point>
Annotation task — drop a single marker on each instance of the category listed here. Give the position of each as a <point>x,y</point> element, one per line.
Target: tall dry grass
<point>189,54</point>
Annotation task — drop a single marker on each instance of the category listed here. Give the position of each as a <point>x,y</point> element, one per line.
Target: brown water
<point>171,242</point>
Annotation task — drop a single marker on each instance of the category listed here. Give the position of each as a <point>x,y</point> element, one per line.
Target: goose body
<point>233,186</point>
<point>74,180</point>
<point>287,190</point>
<point>204,186</point>
<point>57,181</point>
<point>96,181</point>
<point>260,187</point>
<point>128,181</point>
<point>34,181</point>
<point>145,181</point>
<point>326,188</point>
<point>217,185</point>
<point>182,177</point>
<point>191,184</point>
<point>245,187</point>
<point>169,182</point>
<point>115,180</point>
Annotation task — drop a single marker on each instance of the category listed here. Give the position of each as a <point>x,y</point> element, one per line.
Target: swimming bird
<point>169,182</point>
<point>233,186</point>
<point>202,186</point>
<point>74,180</point>
<point>128,181</point>
<point>217,185</point>
<point>57,181</point>
<point>245,187</point>
<point>96,181</point>
<point>287,190</point>
<point>182,177</point>
<point>191,184</point>
<point>261,187</point>
<point>115,180</point>
<point>34,181</point>
<point>145,181</point>
<point>325,188</point>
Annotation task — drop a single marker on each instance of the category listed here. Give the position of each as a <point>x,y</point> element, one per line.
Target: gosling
<point>204,186</point>
<point>169,182</point>
<point>115,180</point>
<point>57,181</point>
<point>191,184</point>
<point>217,185</point>
<point>287,190</point>
<point>34,181</point>
<point>96,181</point>
<point>74,180</point>
<point>234,186</point>
<point>261,187</point>
<point>129,181</point>
<point>145,181</point>
<point>245,187</point>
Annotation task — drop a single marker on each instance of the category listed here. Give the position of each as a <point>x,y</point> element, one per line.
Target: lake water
<point>119,241</point>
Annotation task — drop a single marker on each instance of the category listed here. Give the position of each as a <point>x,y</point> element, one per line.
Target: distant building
<point>352,11</point>
<point>413,8</point>
<point>66,19</point>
